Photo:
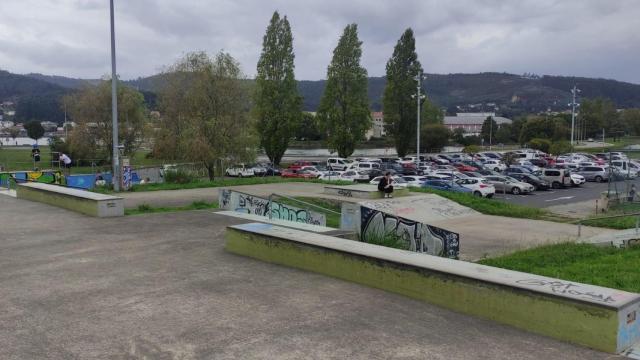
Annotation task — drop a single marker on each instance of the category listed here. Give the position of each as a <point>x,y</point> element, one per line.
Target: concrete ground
<point>162,287</point>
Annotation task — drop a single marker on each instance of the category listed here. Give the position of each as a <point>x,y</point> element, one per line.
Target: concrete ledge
<point>600,318</point>
<point>361,191</point>
<point>81,201</point>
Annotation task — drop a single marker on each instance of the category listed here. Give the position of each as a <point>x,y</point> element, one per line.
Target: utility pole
<point>114,106</point>
<point>419,98</point>
<point>490,131</point>
<point>573,104</point>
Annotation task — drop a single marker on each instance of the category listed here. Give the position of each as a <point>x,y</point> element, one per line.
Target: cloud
<point>570,37</point>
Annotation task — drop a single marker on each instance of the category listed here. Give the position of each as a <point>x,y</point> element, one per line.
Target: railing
<point>637,215</point>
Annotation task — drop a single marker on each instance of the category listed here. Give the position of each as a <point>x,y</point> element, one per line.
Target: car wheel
<point>477,193</point>
<point>515,190</point>
<point>599,178</point>
<point>555,185</point>
<point>240,175</point>
<point>489,196</point>
<point>535,187</point>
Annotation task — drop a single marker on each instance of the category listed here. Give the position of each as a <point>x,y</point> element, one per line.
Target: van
<point>624,168</point>
<point>338,164</point>
<point>556,177</point>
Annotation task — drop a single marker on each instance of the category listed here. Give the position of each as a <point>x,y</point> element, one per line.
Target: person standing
<point>66,161</point>
<point>386,185</point>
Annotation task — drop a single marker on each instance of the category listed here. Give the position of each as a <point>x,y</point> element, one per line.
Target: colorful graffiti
<point>237,201</point>
<point>47,176</point>
<point>419,237</point>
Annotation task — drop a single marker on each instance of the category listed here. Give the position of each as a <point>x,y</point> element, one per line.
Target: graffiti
<point>419,237</point>
<point>345,193</point>
<point>565,288</point>
<point>250,204</point>
<point>48,177</point>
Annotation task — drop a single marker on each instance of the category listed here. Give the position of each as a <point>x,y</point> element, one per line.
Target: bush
<point>178,176</point>
<point>540,144</point>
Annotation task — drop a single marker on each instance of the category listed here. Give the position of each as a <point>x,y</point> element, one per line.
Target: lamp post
<point>573,104</point>
<point>114,107</point>
<point>419,97</point>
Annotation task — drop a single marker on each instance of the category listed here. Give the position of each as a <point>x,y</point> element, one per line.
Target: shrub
<point>540,144</point>
<point>178,176</point>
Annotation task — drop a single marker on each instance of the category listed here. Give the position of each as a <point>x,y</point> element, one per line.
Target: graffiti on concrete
<point>419,237</point>
<point>48,177</point>
<point>567,288</point>
<point>345,193</point>
<point>250,204</point>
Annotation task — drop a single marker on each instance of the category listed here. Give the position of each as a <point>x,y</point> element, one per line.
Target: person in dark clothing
<point>385,185</point>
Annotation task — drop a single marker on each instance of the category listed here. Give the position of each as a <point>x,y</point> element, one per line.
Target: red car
<point>298,164</point>
<point>464,167</point>
<point>301,174</point>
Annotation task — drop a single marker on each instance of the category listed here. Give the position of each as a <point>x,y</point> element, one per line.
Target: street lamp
<point>114,106</point>
<point>419,97</point>
<point>574,93</point>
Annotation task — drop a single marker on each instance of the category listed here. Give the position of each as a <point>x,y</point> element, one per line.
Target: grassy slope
<point>585,263</point>
<point>146,209</point>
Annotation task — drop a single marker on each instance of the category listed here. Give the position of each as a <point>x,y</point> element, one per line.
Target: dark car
<point>373,173</point>
<point>269,170</point>
<point>538,184</point>
<point>539,163</point>
<point>516,170</point>
<point>399,169</point>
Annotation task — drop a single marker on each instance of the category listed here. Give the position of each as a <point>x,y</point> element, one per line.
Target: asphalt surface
<point>161,286</point>
<point>586,192</point>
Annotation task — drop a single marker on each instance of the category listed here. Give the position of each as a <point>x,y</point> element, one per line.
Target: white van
<point>338,164</point>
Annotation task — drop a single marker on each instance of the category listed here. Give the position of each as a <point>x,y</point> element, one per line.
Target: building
<point>377,126</point>
<point>471,123</point>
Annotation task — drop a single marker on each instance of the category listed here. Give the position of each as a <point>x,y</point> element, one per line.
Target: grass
<point>619,223</point>
<point>492,207</point>
<point>585,263</point>
<point>221,182</point>
<point>147,209</point>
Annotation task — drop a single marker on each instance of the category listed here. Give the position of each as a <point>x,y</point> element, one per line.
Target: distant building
<point>377,126</point>
<point>471,123</point>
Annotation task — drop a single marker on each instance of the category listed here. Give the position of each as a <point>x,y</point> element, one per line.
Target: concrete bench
<point>85,202</point>
<point>600,318</point>
<point>361,191</point>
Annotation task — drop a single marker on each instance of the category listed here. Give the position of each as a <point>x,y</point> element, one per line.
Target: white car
<point>397,182</point>
<point>577,180</point>
<point>312,170</point>
<point>495,165</point>
<point>330,175</point>
<point>480,187</point>
<point>239,171</point>
<point>338,163</point>
<point>414,181</point>
<point>355,176</point>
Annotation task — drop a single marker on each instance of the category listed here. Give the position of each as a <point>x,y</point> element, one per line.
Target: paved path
<point>161,286</point>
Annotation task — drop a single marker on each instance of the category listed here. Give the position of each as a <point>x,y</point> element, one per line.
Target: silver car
<point>594,173</point>
<point>507,184</point>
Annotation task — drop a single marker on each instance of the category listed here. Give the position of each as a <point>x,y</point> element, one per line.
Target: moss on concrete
<point>573,321</point>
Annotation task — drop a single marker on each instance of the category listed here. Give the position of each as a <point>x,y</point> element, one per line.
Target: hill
<point>507,94</point>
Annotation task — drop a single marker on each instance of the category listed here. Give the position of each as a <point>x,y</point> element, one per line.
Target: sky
<point>591,38</point>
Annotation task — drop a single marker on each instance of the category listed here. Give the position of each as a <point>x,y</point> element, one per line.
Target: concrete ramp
<point>424,208</point>
<point>362,191</point>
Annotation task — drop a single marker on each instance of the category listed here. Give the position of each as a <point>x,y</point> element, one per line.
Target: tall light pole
<point>114,106</point>
<point>418,98</point>
<point>574,93</point>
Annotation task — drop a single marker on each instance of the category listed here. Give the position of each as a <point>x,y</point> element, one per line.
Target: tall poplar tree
<point>344,108</point>
<point>398,105</point>
<point>278,107</point>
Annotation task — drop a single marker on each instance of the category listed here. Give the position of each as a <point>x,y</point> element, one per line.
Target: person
<point>35,153</point>
<point>632,193</point>
<point>386,185</point>
<point>100,179</point>
<point>66,161</point>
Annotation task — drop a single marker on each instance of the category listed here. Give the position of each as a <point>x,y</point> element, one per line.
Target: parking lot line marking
<point>561,198</point>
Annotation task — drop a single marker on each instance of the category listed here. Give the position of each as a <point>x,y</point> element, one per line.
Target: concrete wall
<point>98,208</point>
<point>599,318</point>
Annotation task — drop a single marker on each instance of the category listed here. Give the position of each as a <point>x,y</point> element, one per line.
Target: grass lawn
<point>146,209</point>
<point>620,223</point>
<point>597,265</point>
<point>220,182</point>
<point>492,207</point>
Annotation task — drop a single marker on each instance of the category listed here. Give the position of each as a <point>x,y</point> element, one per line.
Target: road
<point>161,286</point>
<point>590,191</point>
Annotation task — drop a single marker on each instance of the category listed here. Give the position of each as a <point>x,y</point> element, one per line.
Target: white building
<point>471,123</point>
<point>377,126</point>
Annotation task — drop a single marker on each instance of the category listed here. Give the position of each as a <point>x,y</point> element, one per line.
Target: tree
<point>308,128</point>
<point>631,120</point>
<point>14,132</point>
<point>205,113</point>
<point>471,149</point>
<point>90,109</point>
<point>544,128</point>
<point>503,135</point>
<point>399,107</point>
<point>458,136</point>
<point>597,114</point>
<point>34,130</point>
<point>559,148</point>
<point>488,131</point>
<point>277,103</point>
<point>540,144</point>
<point>344,107</point>
<point>430,113</point>
<point>434,137</point>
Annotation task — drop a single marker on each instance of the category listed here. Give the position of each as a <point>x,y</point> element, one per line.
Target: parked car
<point>396,168</point>
<point>374,173</point>
<point>538,184</point>
<point>270,170</point>
<point>330,175</point>
<point>397,181</point>
<point>479,187</point>
<point>338,163</point>
<point>240,171</point>
<point>516,170</point>
<point>300,164</point>
<point>473,174</point>
<point>576,179</point>
<point>312,170</point>
<point>623,167</point>
<point>295,173</point>
<point>507,184</point>
<point>414,181</point>
<point>445,185</point>
<point>464,167</point>
<point>495,165</point>
<point>594,173</point>
<point>556,177</point>
<point>355,176</point>
<point>363,166</point>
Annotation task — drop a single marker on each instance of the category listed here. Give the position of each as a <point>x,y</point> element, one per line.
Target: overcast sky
<point>593,38</point>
